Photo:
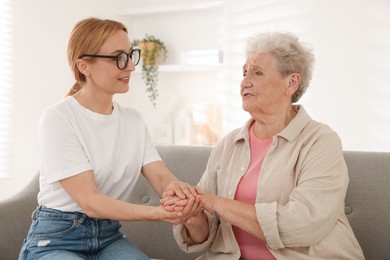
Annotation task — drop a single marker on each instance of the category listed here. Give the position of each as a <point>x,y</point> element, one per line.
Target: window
<point>351,42</point>
<point>240,22</point>
<point>5,86</point>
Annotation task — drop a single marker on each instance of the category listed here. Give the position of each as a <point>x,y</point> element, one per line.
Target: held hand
<point>172,217</point>
<point>192,207</point>
<point>196,220</point>
<point>209,202</point>
<point>180,189</point>
<point>206,201</point>
<point>174,203</point>
<point>197,224</point>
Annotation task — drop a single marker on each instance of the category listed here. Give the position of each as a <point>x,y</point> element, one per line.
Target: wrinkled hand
<point>180,189</point>
<point>209,202</point>
<point>174,203</point>
<point>206,201</point>
<point>196,219</point>
<point>179,210</point>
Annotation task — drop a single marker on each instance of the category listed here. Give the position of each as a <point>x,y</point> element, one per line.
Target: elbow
<point>306,238</point>
<point>89,208</point>
<point>90,213</point>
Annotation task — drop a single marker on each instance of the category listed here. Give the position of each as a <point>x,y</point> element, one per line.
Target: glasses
<point>122,59</point>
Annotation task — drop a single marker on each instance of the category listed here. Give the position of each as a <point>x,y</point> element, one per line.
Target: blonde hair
<point>87,37</point>
<point>291,56</point>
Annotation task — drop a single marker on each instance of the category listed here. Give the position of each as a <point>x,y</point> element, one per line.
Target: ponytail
<point>76,87</point>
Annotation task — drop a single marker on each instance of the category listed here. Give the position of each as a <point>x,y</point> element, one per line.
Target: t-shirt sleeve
<point>61,154</point>
<point>151,154</point>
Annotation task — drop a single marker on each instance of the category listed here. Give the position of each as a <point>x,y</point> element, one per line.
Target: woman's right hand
<point>179,214</point>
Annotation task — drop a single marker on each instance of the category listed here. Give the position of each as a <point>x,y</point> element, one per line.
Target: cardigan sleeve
<point>315,202</point>
<point>208,184</point>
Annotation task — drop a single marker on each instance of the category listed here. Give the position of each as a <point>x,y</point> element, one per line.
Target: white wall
<point>42,75</point>
<point>349,90</point>
<point>180,32</point>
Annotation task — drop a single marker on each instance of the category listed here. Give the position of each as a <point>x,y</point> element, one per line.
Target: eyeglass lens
<point>123,58</point>
<point>135,56</point>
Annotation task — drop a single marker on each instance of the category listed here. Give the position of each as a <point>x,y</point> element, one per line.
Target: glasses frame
<point>116,57</point>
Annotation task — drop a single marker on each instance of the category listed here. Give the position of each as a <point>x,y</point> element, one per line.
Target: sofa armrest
<point>15,219</point>
<point>367,201</point>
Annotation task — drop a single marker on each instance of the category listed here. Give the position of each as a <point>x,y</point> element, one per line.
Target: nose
<point>130,66</point>
<point>245,83</point>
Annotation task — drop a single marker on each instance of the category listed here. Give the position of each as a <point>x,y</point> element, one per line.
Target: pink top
<point>252,247</point>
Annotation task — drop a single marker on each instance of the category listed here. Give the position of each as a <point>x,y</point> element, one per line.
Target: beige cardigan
<point>300,196</point>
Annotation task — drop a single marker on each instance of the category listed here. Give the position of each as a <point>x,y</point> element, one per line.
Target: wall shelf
<point>172,8</point>
<point>185,68</point>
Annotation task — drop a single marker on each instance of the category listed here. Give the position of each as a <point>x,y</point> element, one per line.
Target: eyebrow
<point>257,67</point>
<point>253,66</point>
<point>118,51</point>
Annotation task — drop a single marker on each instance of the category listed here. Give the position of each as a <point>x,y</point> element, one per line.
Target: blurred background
<point>198,84</point>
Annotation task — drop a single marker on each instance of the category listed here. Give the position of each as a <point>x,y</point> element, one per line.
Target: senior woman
<point>275,188</point>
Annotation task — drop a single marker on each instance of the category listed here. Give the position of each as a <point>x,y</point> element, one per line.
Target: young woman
<point>92,151</point>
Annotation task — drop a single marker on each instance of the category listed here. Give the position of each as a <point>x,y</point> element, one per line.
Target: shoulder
<point>318,134</point>
<point>322,134</point>
<point>57,110</point>
<point>319,129</point>
<point>304,127</point>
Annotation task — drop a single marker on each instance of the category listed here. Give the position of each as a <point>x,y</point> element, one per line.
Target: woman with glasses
<point>91,153</point>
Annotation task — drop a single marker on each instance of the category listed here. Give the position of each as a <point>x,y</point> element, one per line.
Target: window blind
<point>5,86</point>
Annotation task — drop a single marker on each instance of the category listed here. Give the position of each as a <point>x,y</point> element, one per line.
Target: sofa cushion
<point>367,203</point>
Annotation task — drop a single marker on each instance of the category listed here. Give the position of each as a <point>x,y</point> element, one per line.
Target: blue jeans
<point>73,235</point>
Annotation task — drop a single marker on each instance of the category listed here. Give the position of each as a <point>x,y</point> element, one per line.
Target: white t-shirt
<point>73,139</point>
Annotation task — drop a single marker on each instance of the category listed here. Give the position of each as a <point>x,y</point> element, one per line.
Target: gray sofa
<point>367,205</point>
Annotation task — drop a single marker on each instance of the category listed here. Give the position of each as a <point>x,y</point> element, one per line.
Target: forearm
<point>237,213</point>
<point>104,207</point>
<point>197,227</point>
<point>83,190</point>
<point>158,176</point>
<point>165,180</point>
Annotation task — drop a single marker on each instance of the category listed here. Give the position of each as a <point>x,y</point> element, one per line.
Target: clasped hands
<point>185,200</point>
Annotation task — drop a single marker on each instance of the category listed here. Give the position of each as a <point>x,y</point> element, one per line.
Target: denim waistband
<point>44,212</point>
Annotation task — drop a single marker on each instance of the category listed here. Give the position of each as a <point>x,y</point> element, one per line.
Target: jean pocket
<point>110,226</point>
<point>54,227</point>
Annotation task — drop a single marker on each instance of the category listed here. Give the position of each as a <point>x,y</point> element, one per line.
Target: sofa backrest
<point>367,203</point>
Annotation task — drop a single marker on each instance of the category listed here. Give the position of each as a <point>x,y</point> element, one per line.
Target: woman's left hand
<point>184,209</point>
<point>180,189</point>
<point>174,203</point>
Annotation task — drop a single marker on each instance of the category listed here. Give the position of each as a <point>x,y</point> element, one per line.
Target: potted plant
<point>152,50</point>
